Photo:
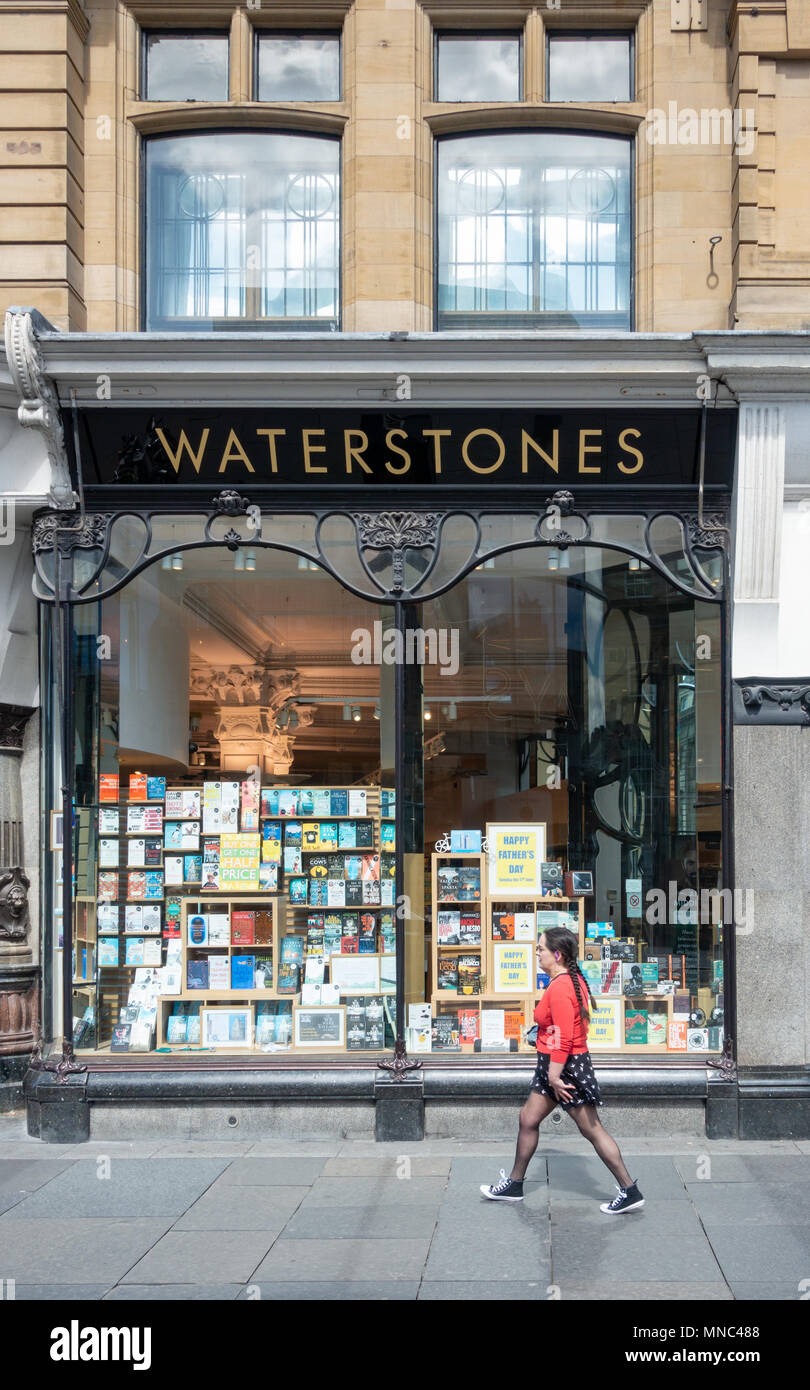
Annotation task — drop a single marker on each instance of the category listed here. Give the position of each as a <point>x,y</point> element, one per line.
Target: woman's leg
<point>591,1126</point>
<point>531,1117</point>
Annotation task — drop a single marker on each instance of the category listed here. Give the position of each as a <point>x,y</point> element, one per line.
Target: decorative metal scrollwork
<point>397,532</point>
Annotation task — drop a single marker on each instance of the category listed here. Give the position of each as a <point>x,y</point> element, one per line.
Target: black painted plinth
<point>12,1075</point>
<point>722,1118</point>
<point>399,1111</point>
<point>775,1105</point>
<point>57,1112</point>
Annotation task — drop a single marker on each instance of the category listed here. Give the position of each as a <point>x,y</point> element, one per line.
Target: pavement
<point>348,1219</point>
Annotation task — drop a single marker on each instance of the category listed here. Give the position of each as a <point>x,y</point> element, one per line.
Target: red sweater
<point>561,1031</point>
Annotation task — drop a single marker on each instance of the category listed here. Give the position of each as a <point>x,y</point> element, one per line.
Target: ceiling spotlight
<point>565,562</point>
<point>428,714</point>
<point>634,564</point>
<point>177,562</point>
<point>250,560</point>
<point>356,715</point>
<point>377,710</point>
<point>554,559</point>
<point>238,560</point>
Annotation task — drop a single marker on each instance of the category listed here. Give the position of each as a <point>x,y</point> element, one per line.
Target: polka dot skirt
<point>577,1072</point>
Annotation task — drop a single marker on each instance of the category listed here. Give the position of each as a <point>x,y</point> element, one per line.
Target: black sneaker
<point>507,1190</point>
<point>628,1199</point>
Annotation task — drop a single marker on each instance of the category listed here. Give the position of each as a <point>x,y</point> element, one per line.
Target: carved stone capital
<point>13,719</point>
<point>14,919</point>
<point>39,404</point>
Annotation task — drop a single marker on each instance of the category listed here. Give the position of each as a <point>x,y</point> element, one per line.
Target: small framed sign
<point>319,1027</point>
<point>358,974</point>
<point>515,858</point>
<point>231,1028</point>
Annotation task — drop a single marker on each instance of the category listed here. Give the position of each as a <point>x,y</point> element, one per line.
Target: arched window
<point>534,231</point>
<point>242,231</point>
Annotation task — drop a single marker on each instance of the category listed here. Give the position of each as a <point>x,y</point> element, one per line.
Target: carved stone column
<point>19,976</point>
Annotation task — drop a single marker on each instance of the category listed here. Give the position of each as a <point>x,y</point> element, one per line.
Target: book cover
<point>512,1024</point>
<point>321,802</point>
<point>370,869</point>
<point>387,836</point>
<point>263,927</point>
<point>448,927</point>
<point>134,950</point>
<point>332,933</point>
<point>251,796</point>
<point>503,926</point>
<point>197,973</point>
<point>611,976</point>
<point>469,883</point>
<point>447,883</point>
<point>632,979</point>
<point>152,951</point>
<point>212,808</point>
<point>190,834</point>
<point>137,786</point>
<point>119,1039</point>
<point>329,835</point>
<point>150,918</point>
<point>269,801</point>
<point>192,868</point>
<point>336,892</point>
<point>657,1029</point>
<point>176,1029</point>
<point>314,970</point>
<point>173,913</point>
<point>298,890</point>
<point>174,803</point>
<point>173,835</point>
<point>230,802</point>
<point>338,802</point>
<point>447,973</point>
<point>551,880</point>
<point>155,788</point>
<point>368,930</point>
<point>192,803</point>
<point>306,801</point>
<point>355,1023</point>
<point>153,883</point>
<point>364,834</point>
<point>524,926</point>
<point>318,892</point>
<point>263,971</point>
<point>445,1033</point>
<point>210,877</point>
<point>314,941</point>
<point>469,974</point>
<point>243,928</point>
<point>133,918</point>
<point>317,920</point>
<point>649,974</point>
<point>388,865</point>
<point>197,929</point>
<point>592,970</point>
<point>107,886</point>
<point>468,1025</point>
<point>173,868</point>
<point>107,853</point>
<point>219,929</point>
<point>293,834</point>
<point>292,949</point>
<point>350,945</point>
<point>371,892</point>
<point>108,950</point>
<point>136,885</point>
<point>136,853</point>
<point>353,867</point>
<point>136,820</point>
<point>388,934</point>
<point>347,834</point>
<point>109,821</point>
<point>357,801</point>
<point>108,786</point>
<point>243,971</point>
<point>310,835</point>
<point>388,801</point>
<point>153,852</point>
<point>293,863</point>
<point>354,893</point>
<point>268,878</point>
<point>107,918</point>
<point>153,820</point>
<point>635,1026</point>
<point>289,977</point>
<point>288,803</point>
<point>271,841</point>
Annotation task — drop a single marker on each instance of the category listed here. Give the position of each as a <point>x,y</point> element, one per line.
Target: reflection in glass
<point>534,228</point>
<point>478,69</point>
<point>589,67</point>
<point>298,68</point>
<point>186,67</point>
<point>242,227</point>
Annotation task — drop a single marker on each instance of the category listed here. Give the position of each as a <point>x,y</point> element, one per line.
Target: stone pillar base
<point>399,1111</point>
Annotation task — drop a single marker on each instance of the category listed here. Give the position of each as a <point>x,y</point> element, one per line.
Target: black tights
<point>536,1109</point>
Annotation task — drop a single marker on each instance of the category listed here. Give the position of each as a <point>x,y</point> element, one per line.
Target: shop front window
<point>242,231</point>
<point>573,728</point>
<point>234,839</point>
<point>534,230</point>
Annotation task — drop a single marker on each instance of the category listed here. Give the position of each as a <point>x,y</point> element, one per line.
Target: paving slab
<point>383,1223</point>
<point>58,1293</point>
<point>376,1192</point>
<point>345,1261</point>
<point>780,1291</point>
<point>201,1257</point>
<point>203,1149</point>
<point>666,1214</point>
<point>588,1177</point>
<point>657,1291</point>
<point>503,1242</point>
<point>292,1148</point>
<point>773,1254</point>
<point>400,1165</point>
<point>474,1169</point>
<point>484,1291</point>
<point>382,1291</point>
<point>169,1293</point>
<point>134,1187</point>
<point>746,1167</point>
<point>236,1207</point>
<point>72,1251</point>
<point>274,1171</point>
<point>631,1254</point>
<point>752,1203</point>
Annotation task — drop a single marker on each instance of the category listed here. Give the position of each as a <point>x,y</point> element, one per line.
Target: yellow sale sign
<point>239,860</point>
<point>606,1025</point>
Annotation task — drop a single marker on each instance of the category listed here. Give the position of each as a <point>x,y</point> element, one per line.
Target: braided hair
<point>562,940</point>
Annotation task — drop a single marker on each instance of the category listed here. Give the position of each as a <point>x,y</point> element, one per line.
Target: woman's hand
<point>563,1090</point>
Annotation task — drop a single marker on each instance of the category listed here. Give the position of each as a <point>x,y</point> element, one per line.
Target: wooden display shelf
<point>202,996</point>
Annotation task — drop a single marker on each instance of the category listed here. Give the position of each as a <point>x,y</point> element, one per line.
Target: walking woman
<point>564,1075</point>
